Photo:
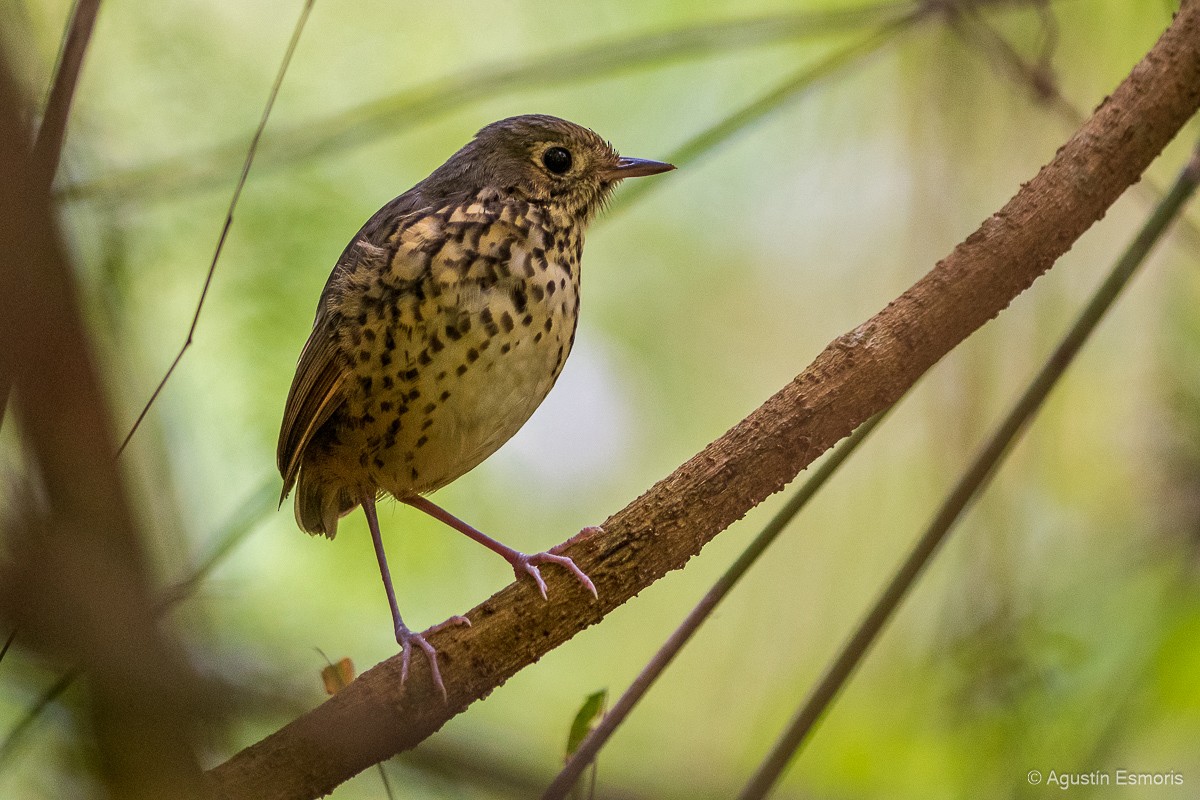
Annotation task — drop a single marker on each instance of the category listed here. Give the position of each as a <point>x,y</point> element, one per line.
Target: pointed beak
<point>636,168</point>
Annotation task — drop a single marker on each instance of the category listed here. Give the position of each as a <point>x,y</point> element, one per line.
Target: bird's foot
<point>521,563</point>
<point>524,564</point>
<point>407,639</point>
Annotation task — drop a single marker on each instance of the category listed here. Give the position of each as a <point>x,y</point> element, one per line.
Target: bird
<point>443,325</point>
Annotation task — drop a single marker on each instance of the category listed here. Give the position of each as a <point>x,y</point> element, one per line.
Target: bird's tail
<point>319,505</point>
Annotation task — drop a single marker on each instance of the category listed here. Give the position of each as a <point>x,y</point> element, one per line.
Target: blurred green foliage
<point>1058,630</point>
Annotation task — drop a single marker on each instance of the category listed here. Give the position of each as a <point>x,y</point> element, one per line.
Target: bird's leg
<point>522,563</point>
<point>405,637</point>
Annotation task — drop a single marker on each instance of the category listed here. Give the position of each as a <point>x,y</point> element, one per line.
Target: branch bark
<point>859,374</point>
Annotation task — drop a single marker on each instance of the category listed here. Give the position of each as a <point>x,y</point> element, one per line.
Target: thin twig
<point>17,733</point>
<point>599,736</point>
<point>233,201</point>
<point>972,482</point>
<point>7,644</point>
<point>231,534</point>
<point>388,115</point>
<point>1038,77</point>
<point>710,138</point>
<point>387,785</point>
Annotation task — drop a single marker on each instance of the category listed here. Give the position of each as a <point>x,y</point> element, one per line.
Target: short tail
<point>319,505</point>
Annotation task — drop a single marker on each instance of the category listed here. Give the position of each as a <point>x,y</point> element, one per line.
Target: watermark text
<point>1116,777</point>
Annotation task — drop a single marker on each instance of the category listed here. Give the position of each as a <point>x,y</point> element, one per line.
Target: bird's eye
<point>557,160</point>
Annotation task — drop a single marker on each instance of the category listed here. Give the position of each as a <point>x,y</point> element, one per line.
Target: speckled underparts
<point>455,330</point>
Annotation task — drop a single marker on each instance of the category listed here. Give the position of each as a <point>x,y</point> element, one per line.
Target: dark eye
<point>557,160</point>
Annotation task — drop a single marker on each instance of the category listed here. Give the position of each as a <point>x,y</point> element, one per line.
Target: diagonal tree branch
<point>970,485</point>
<point>859,374</point>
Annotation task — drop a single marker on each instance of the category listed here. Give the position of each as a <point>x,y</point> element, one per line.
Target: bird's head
<point>543,159</point>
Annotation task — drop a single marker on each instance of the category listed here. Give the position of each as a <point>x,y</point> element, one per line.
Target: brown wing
<point>317,388</point>
<point>314,396</point>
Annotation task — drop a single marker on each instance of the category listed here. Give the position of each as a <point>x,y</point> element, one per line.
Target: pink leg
<point>522,564</point>
<point>405,637</point>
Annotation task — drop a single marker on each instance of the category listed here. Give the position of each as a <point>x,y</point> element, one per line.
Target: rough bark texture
<point>859,374</point>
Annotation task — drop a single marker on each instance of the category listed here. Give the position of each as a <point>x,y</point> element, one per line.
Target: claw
<point>584,533</point>
<point>537,576</point>
<point>406,639</point>
<point>453,621</point>
<point>528,564</point>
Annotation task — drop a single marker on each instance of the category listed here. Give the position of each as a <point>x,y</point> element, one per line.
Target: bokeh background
<point>828,157</point>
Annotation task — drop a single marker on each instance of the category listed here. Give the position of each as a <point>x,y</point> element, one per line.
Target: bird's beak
<point>636,168</point>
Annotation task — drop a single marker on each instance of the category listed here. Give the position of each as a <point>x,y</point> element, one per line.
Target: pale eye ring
<point>557,160</point>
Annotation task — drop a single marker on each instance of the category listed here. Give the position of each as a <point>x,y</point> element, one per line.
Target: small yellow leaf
<point>338,676</point>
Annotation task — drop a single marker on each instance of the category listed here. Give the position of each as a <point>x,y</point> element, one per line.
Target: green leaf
<point>589,715</point>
